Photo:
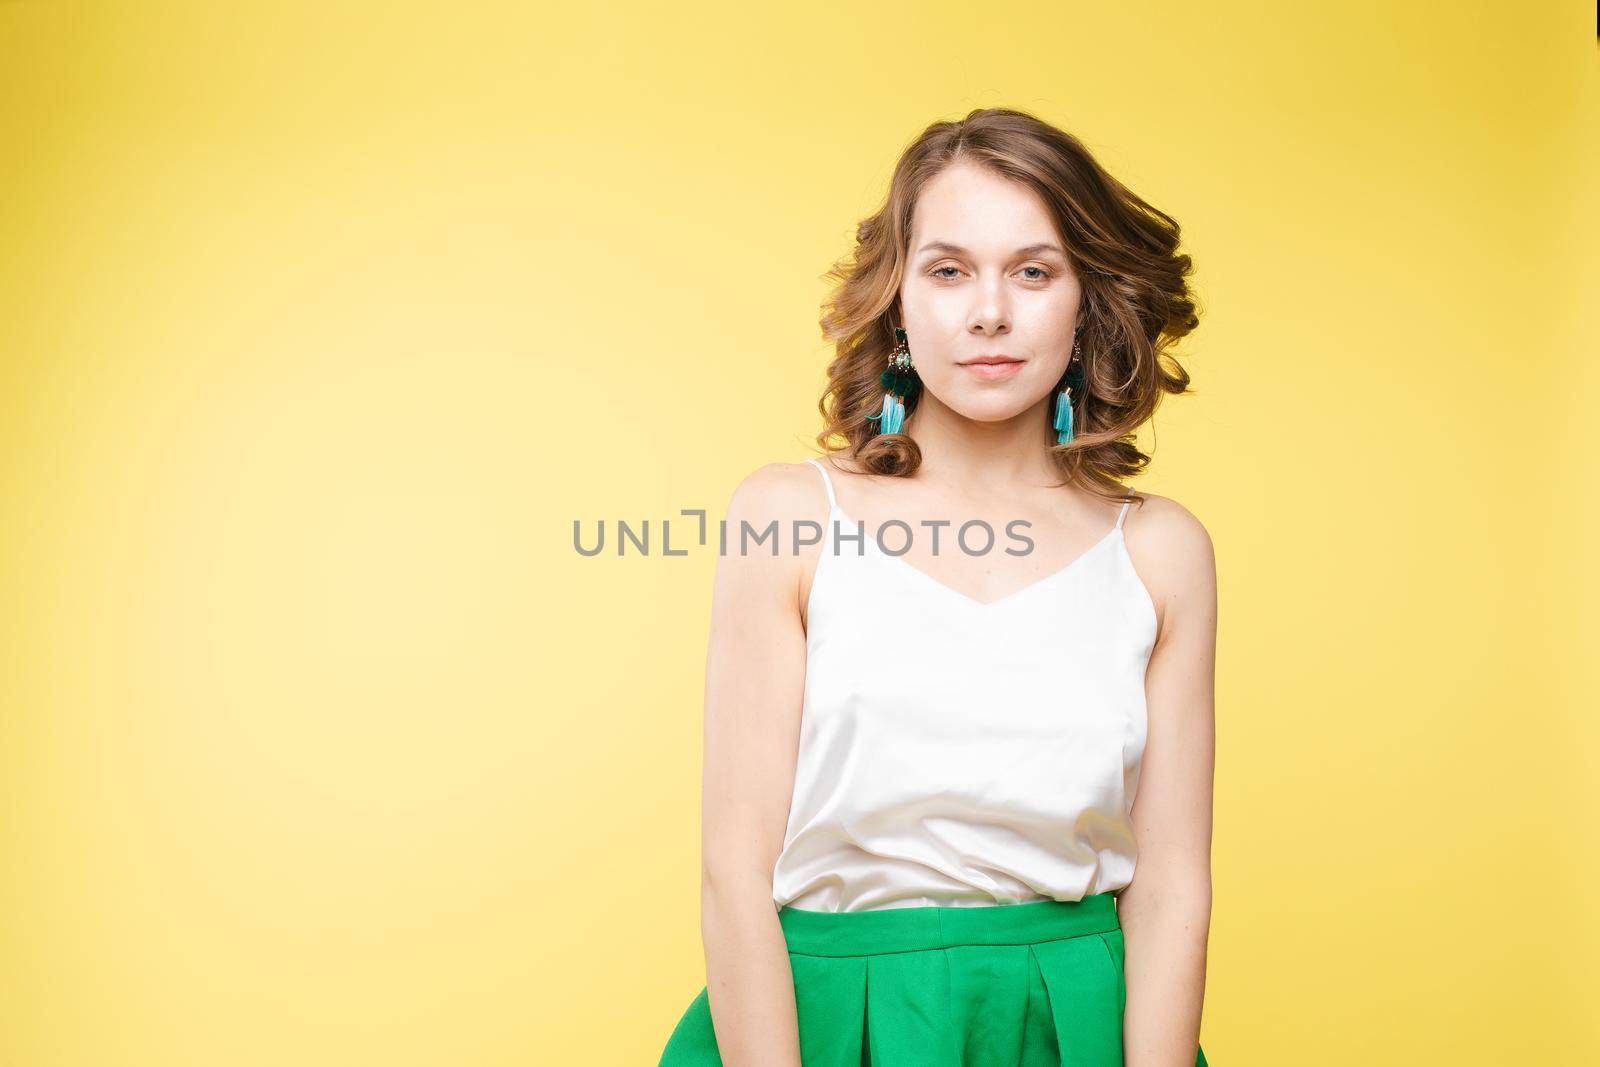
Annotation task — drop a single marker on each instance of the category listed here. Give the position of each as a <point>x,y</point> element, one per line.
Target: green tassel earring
<point>1071,389</point>
<point>900,383</point>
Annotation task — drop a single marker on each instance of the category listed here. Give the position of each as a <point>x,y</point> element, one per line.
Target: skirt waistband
<point>867,933</point>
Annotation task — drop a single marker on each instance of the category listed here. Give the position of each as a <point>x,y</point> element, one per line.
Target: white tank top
<point>958,752</point>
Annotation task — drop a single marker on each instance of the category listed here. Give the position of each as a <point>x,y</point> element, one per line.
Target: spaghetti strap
<point>826,481</point>
<point>1123,513</point>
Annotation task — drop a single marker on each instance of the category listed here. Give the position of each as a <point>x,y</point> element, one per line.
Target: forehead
<point>973,207</point>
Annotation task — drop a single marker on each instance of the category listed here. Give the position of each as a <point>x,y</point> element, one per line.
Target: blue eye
<point>1041,270</point>
<point>936,270</point>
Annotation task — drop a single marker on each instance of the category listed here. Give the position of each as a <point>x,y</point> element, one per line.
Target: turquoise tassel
<point>1063,423</point>
<point>893,415</point>
<point>897,417</point>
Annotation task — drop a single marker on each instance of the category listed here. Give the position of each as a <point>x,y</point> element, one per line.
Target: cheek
<point>937,323</point>
<point>945,316</point>
<point>926,298</point>
<point>1052,313</point>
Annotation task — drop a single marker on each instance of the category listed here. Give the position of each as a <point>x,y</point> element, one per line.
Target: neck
<point>957,450</point>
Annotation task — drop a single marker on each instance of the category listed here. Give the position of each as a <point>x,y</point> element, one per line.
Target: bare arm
<point>755,674</point>
<point>1166,910</point>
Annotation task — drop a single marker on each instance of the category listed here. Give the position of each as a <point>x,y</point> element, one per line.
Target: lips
<point>993,368</point>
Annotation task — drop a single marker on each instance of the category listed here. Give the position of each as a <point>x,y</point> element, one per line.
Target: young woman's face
<point>987,276</point>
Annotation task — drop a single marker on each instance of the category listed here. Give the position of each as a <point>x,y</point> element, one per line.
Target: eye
<point>938,272</point>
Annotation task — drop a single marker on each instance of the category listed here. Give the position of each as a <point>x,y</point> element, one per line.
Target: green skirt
<point>1023,985</point>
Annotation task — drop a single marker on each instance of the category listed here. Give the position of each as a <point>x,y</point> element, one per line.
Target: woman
<point>933,756</point>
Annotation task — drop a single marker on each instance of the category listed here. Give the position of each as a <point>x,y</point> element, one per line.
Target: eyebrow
<point>1031,250</point>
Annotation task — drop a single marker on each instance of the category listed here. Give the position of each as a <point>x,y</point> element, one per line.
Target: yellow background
<point>322,323</point>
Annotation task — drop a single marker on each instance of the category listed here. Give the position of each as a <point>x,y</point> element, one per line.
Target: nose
<point>990,313</point>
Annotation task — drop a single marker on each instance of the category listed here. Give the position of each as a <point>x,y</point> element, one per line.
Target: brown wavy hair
<point>1136,302</point>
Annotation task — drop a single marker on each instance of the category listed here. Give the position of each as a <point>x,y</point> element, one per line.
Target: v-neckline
<point>872,542</point>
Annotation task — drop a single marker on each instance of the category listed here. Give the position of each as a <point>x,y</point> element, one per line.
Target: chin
<point>995,408</point>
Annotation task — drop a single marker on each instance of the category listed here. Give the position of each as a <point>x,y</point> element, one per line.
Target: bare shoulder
<point>1168,528</point>
<point>764,553</point>
<point>1173,553</point>
<point>778,491</point>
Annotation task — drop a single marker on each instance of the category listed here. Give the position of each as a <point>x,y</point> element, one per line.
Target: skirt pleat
<point>1085,992</point>
<point>1039,986</point>
<point>992,990</point>
<point>828,996</point>
<point>907,1010</point>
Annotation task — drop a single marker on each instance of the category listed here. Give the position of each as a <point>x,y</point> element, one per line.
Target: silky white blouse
<point>957,752</point>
